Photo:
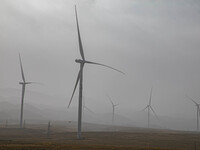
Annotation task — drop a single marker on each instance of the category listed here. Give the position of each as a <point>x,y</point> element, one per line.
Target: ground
<point>36,138</point>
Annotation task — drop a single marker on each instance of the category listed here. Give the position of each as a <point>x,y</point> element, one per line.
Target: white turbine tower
<point>23,83</point>
<point>149,107</point>
<point>198,111</point>
<point>79,79</point>
<point>113,110</point>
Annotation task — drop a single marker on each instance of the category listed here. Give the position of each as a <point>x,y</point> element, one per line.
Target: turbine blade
<point>145,108</point>
<point>88,109</point>
<point>79,36</point>
<point>154,113</point>
<point>112,103</point>
<point>77,80</point>
<point>111,100</point>
<point>22,105</point>
<point>89,62</point>
<point>150,96</point>
<point>23,92</point>
<point>116,105</point>
<point>191,99</point>
<point>199,111</point>
<point>34,83</point>
<point>22,72</point>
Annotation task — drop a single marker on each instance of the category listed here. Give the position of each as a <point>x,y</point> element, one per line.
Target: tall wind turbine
<point>23,83</point>
<point>113,110</point>
<point>198,111</point>
<point>149,107</point>
<point>79,79</point>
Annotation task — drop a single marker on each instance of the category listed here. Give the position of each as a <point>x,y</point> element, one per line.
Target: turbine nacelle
<point>24,83</point>
<point>80,61</point>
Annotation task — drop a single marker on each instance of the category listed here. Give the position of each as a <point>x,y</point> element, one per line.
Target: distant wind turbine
<point>23,83</point>
<point>149,107</point>
<point>80,77</point>
<point>198,110</point>
<point>113,109</point>
<point>86,108</point>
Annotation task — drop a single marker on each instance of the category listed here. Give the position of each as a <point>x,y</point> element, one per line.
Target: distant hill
<point>43,107</point>
<point>10,112</point>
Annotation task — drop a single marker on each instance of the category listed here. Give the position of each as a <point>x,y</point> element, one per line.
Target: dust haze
<point>155,42</point>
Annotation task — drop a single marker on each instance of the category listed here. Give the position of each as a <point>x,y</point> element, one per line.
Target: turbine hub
<point>21,83</point>
<point>80,61</point>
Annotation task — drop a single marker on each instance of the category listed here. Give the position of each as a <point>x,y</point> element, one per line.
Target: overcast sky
<point>155,42</point>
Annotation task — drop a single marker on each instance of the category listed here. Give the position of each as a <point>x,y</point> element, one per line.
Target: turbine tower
<point>79,79</point>
<point>23,83</point>
<point>149,107</point>
<point>198,111</point>
<point>113,110</point>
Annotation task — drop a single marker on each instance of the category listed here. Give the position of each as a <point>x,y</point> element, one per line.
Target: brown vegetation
<point>135,139</point>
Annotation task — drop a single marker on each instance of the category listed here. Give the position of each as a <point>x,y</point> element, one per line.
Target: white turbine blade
<point>192,100</point>
<point>77,80</point>
<point>23,91</point>
<point>22,72</point>
<point>89,62</point>
<point>88,109</point>
<point>111,101</point>
<point>198,110</point>
<point>154,112</point>
<point>34,83</point>
<point>145,108</point>
<point>79,36</point>
<point>150,96</point>
<point>22,104</point>
<point>116,105</point>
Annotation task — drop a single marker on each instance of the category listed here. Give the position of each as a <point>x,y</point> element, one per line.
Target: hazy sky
<point>155,42</point>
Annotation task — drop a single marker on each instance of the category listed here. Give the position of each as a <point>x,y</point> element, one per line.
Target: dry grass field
<point>34,137</point>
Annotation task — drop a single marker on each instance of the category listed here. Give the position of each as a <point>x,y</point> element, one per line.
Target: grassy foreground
<point>54,146</point>
<point>37,139</point>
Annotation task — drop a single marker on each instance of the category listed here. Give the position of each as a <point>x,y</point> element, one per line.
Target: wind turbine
<point>83,113</point>
<point>23,83</point>
<point>149,107</point>
<point>85,107</point>
<point>113,110</point>
<point>79,79</point>
<point>198,110</point>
